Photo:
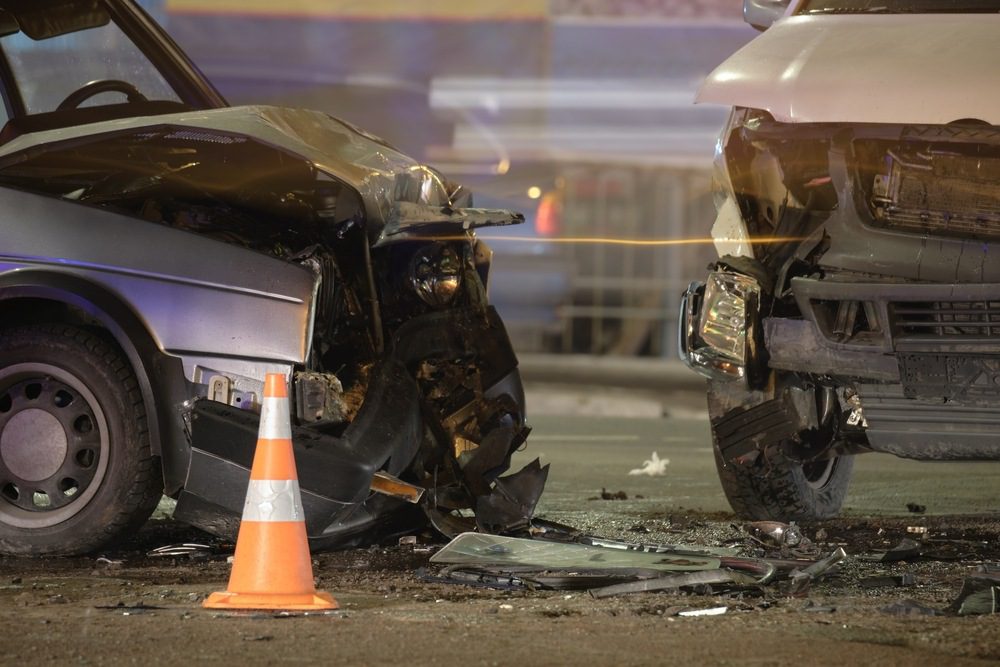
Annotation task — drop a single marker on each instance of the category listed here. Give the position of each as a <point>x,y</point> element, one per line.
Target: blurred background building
<point>578,113</point>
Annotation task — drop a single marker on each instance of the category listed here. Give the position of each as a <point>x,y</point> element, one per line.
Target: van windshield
<point>899,7</point>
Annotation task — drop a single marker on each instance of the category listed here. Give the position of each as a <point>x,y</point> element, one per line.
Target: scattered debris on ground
<point>735,583</point>
<point>771,560</point>
<point>611,495</point>
<point>654,466</point>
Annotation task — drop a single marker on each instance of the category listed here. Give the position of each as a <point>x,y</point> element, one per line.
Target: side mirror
<point>762,13</point>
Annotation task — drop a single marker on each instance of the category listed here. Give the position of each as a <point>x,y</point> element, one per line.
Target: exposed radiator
<point>939,193</point>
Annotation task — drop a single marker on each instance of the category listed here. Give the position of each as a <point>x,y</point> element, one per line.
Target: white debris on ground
<point>654,467</point>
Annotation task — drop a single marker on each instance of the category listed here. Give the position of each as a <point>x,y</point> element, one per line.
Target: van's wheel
<point>76,469</point>
<point>780,489</point>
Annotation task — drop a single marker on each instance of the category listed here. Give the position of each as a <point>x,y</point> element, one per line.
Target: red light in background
<point>548,215</point>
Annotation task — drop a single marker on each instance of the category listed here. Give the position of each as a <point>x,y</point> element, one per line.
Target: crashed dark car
<point>162,251</point>
<point>855,306</point>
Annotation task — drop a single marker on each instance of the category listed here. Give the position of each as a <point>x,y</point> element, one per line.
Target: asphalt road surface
<point>124,606</point>
<point>590,452</point>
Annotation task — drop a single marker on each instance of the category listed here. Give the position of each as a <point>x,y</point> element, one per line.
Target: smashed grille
<point>972,319</point>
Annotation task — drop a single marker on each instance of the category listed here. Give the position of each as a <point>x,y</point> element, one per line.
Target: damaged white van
<point>855,305</point>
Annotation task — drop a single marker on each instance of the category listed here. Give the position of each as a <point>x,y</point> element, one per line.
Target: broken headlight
<point>717,319</point>
<point>436,274</point>
<point>724,314</point>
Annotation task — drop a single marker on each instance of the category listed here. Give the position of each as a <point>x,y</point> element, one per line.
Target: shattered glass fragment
<point>774,533</point>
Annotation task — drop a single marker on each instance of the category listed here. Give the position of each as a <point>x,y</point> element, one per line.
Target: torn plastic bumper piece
<point>511,504</point>
<point>335,474</point>
<point>744,431</point>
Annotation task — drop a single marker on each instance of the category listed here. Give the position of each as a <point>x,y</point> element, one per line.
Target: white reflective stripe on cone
<point>275,421</point>
<point>273,500</point>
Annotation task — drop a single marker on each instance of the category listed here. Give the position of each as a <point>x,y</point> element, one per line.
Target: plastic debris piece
<point>482,549</point>
<point>654,467</point>
<point>189,549</point>
<point>910,607</point>
<point>712,611</point>
<point>476,577</point>
<point>820,609</point>
<point>707,577</point>
<point>907,549</point>
<point>980,594</point>
<point>802,579</point>
<point>407,540</point>
<point>918,530</point>
<point>889,581</point>
<point>130,610</point>
<point>691,549</point>
<point>915,508</point>
<point>511,503</point>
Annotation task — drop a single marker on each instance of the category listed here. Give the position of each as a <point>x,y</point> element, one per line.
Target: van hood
<point>886,68</point>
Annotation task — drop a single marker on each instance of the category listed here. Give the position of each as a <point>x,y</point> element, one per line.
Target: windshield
<point>47,71</point>
<point>63,62</point>
<point>899,6</point>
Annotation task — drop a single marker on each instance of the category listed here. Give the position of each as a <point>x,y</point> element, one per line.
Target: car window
<point>899,6</point>
<point>46,71</point>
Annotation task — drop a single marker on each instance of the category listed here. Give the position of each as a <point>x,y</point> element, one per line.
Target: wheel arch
<point>29,297</point>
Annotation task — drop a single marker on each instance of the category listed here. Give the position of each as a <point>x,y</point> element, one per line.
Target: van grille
<point>947,318</point>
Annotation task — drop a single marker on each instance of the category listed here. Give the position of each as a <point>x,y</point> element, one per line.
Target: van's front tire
<point>780,489</point>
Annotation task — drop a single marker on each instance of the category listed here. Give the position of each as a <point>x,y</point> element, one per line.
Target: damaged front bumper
<point>343,477</point>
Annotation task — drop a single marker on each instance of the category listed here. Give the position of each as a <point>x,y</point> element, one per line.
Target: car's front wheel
<point>76,470</point>
<point>776,487</point>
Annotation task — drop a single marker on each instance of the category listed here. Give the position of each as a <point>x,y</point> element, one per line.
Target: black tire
<point>779,489</point>
<point>76,470</point>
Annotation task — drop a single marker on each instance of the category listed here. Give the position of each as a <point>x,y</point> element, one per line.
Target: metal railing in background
<point>623,297</point>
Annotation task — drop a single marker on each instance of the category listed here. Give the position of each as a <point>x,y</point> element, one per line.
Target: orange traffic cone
<point>272,568</point>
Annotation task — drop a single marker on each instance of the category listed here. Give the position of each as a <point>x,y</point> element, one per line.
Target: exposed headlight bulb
<point>436,274</point>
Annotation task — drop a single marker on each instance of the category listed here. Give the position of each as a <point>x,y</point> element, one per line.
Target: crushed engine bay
<point>410,380</point>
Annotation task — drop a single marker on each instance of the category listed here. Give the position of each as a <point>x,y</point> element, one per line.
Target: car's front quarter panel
<point>196,297</point>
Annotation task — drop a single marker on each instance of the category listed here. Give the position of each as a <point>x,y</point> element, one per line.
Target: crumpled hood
<point>903,68</point>
<point>384,177</point>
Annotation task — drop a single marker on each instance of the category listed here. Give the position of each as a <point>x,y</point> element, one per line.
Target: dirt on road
<point>126,607</point>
